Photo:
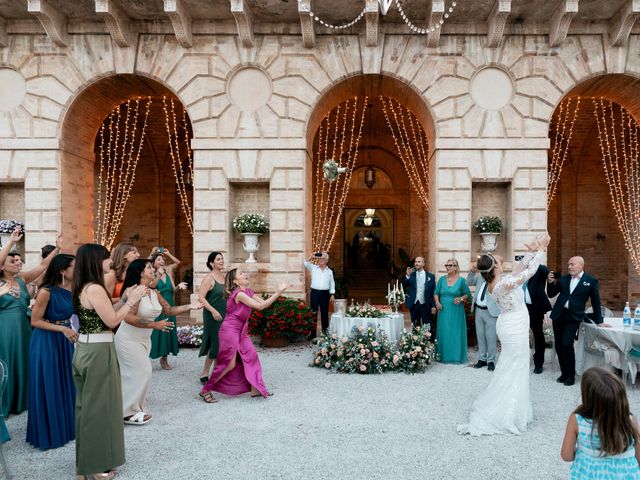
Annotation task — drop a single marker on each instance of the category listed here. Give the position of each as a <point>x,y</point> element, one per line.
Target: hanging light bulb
<point>370,211</point>
<point>368,221</point>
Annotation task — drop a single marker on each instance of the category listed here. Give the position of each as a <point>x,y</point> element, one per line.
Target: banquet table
<point>618,339</point>
<point>392,324</point>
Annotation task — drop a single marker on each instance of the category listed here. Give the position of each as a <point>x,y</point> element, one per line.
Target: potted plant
<point>250,226</point>
<point>7,227</point>
<point>285,320</point>
<point>489,228</point>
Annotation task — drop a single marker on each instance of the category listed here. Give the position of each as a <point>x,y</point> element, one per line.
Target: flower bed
<point>369,351</point>
<point>190,335</point>
<point>288,318</point>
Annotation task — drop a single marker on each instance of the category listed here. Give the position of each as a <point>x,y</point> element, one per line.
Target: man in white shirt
<point>323,288</point>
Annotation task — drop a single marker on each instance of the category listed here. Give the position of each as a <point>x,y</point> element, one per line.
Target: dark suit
<point>537,308</point>
<point>567,320</point>
<point>420,312</point>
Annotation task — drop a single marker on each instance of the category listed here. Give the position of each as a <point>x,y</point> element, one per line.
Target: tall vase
<point>251,245</point>
<point>489,240</point>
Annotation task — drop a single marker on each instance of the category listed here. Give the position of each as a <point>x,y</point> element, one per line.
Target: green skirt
<point>164,343</point>
<point>99,423</point>
<point>210,345</point>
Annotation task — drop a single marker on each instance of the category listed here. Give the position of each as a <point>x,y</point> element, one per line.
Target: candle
<point>388,290</point>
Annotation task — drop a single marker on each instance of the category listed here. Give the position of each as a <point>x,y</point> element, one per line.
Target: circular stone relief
<point>491,88</point>
<point>249,88</point>
<point>13,89</point>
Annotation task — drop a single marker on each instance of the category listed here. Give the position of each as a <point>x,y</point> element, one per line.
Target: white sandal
<point>138,419</point>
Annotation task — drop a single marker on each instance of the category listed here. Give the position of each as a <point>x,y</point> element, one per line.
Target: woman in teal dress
<point>450,294</point>
<point>163,342</point>
<point>211,295</point>
<point>15,327</point>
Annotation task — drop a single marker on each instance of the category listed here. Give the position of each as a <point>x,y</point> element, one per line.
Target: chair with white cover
<point>604,311</point>
<point>3,429</point>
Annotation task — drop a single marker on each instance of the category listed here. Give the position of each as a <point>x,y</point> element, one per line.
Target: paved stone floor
<point>324,426</point>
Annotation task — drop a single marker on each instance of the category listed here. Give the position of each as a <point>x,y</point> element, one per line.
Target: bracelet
<point>129,304</point>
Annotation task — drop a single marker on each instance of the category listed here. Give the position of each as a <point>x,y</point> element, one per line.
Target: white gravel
<point>323,426</point>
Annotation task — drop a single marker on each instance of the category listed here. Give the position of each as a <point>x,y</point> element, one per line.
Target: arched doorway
<point>581,218</point>
<point>153,215</point>
<point>369,255</point>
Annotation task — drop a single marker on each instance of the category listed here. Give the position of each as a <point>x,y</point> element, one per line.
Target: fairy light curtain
<point>120,140</point>
<point>338,140</point>
<point>412,145</point>
<point>179,138</point>
<point>563,121</point>
<point>618,134</point>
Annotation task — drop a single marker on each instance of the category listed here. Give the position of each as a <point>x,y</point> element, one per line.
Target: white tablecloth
<point>391,324</point>
<point>620,339</point>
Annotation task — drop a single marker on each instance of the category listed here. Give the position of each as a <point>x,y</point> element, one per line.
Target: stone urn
<point>489,241</point>
<point>251,245</point>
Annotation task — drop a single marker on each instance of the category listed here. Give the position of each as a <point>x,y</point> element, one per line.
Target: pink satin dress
<point>234,341</point>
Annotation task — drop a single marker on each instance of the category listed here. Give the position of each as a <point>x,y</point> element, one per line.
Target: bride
<point>505,406</point>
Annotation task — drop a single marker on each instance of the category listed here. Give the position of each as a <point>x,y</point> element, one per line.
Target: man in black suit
<point>575,289</point>
<point>420,285</point>
<point>538,304</point>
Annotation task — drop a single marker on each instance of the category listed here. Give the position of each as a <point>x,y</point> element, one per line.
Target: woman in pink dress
<point>238,368</point>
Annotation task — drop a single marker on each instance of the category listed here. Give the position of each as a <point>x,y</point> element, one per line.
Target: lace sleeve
<point>526,269</point>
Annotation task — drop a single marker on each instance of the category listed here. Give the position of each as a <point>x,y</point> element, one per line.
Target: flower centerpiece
<point>395,296</point>
<point>489,228</point>
<point>7,227</point>
<point>251,226</point>
<point>364,311</point>
<point>286,318</point>
<point>190,335</point>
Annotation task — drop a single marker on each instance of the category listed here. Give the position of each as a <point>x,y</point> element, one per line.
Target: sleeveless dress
<point>234,341</point>
<point>210,344</point>
<point>505,405</point>
<point>451,330</point>
<point>99,426</point>
<point>165,343</point>
<point>589,464</point>
<point>133,345</point>
<point>15,332</point>
<point>52,394</point>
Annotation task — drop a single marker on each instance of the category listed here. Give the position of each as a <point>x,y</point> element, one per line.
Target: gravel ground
<point>324,426</point>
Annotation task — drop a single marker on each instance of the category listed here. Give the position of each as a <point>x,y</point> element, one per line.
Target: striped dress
<point>590,465</point>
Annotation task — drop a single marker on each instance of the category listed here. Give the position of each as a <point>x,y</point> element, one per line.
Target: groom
<point>575,289</point>
<point>420,286</point>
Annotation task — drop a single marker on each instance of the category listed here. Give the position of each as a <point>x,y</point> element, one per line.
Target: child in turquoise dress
<point>602,436</point>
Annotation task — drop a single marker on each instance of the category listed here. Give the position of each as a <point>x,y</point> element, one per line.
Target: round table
<point>391,324</point>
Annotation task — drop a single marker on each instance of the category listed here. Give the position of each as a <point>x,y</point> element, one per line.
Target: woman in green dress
<point>450,294</point>
<point>164,342</point>
<point>212,297</point>
<point>15,327</point>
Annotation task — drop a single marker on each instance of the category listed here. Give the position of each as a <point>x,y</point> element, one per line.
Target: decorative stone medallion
<point>249,88</point>
<point>13,89</point>
<point>491,88</point>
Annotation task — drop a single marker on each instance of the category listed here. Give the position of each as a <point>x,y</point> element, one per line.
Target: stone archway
<point>153,213</point>
<point>581,219</point>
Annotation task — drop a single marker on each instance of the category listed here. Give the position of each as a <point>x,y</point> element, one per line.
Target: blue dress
<point>52,393</point>
<point>590,465</point>
<point>451,334</point>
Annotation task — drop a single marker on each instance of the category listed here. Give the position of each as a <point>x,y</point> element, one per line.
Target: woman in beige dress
<point>133,340</point>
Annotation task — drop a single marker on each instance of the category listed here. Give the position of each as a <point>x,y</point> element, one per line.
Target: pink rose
<point>327,365</point>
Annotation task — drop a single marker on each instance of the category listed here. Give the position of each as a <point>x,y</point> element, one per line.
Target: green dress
<point>165,343</point>
<point>216,299</point>
<point>15,333</point>
<point>451,333</point>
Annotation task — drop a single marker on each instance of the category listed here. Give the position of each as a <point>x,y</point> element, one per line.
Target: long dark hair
<point>488,263</point>
<point>52,277</point>
<point>229,279</point>
<point>88,269</point>
<point>134,272</point>
<point>210,259</point>
<point>10,254</point>
<point>604,402</point>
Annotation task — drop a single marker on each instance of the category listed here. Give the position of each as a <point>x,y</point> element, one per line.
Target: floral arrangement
<point>250,223</point>
<point>331,170</point>
<point>488,225</point>
<point>369,351</point>
<point>364,311</point>
<point>285,318</point>
<point>9,226</point>
<point>190,335</point>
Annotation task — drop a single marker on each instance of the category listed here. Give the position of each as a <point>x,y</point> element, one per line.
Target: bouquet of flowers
<point>488,225</point>
<point>285,318</point>
<point>250,223</point>
<point>9,226</point>
<point>364,311</point>
<point>331,170</point>
<point>190,335</point>
<point>414,351</point>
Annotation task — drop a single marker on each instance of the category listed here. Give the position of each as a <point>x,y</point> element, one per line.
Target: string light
<point>560,144</point>
<point>428,29</point>
<point>117,169</point>
<point>337,27</point>
<point>622,170</point>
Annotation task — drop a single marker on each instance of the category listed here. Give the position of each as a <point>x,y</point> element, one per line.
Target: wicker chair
<point>3,383</point>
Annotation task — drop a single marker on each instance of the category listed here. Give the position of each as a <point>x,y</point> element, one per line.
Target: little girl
<point>602,436</point>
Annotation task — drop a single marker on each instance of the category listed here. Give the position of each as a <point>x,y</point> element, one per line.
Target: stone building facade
<point>256,82</point>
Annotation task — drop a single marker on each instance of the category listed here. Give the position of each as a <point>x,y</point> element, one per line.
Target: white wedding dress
<point>505,405</point>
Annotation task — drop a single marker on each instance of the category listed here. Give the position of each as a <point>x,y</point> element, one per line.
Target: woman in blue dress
<point>451,334</point>
<point>52,394</point>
